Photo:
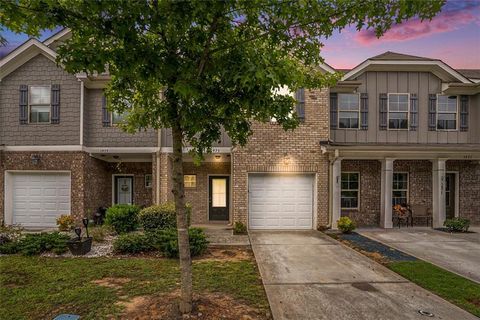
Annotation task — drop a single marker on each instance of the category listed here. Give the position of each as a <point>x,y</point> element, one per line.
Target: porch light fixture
<point>218,157</point>
<point>286,161</point>
<point>35,158</point>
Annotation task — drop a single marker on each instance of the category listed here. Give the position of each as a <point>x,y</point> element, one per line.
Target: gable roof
<point>61,35</point>
<point>29,49</point>
<point>393,61</point>
<point>470,73</point>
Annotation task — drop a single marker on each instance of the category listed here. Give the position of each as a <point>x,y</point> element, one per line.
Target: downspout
<point>330,187</point>
<point>82,108</point>
<point>157,167</point>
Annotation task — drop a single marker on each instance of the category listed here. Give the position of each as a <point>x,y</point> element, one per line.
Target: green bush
<point>98,233</point>
<point>239,228</point>
<point>161,216</point>
<point>167,241</point>
<point>457,224</point>
<point>10,234</point>
<point>122,217</point>
<point>133,243</point>
<point>346,225</point>
<point>9,248</point>
<point>37,243</point>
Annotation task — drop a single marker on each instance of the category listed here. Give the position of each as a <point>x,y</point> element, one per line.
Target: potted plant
<point>80,246</point>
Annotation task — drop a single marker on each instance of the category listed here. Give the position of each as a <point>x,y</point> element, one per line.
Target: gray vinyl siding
<point>421,83</point>
<point>39,71</point>
<point>96,135</point>
<point>167,141</point>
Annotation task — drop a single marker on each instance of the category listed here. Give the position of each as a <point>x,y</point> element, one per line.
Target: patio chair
<point>422,213</point>
<point>401,215</point>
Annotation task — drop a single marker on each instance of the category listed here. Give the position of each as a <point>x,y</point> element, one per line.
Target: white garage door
<point>39,198</point>
<point>280,201</point>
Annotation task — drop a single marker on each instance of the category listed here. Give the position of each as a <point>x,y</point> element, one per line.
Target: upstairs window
<point>350,190</point>
<point>398,111</point>
<point>118,118</point>
<point>400,188</point>
<point>348,110</point>
<point>39,104</point>
<point>300,106</point>
<point>447,107</point>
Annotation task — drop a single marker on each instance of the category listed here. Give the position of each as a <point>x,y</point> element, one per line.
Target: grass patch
<point>40,288</point>
<point>454,288</point>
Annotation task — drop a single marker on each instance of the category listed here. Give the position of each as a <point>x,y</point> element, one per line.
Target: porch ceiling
<point>123,157</point>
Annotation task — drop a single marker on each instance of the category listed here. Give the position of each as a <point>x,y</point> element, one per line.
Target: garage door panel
<point>280,201</point>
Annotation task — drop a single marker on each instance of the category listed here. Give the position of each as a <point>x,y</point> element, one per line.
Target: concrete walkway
<point>307,275</point>
<point>456,252</point>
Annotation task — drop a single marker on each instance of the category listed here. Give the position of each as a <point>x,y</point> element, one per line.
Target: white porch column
<point>386,193</point>
<point>336,191</point>
<point>438,198</point>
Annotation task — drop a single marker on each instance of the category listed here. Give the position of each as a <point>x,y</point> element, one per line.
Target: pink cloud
<point>414,29</point>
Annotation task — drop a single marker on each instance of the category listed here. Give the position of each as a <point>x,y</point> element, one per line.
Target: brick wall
<point>40,71</point>
<point>469,192</point>
<point>420,181</point>
<point>271,149</point>
<point>142,196</point>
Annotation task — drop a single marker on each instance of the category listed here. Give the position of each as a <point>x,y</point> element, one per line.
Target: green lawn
<point>39,288</point>
<point>456,289</point>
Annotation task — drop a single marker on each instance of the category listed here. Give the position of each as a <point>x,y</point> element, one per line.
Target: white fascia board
<point>56,36</point>
<point>360,68</point>
<point>106,150</point>
<point>43,148</point>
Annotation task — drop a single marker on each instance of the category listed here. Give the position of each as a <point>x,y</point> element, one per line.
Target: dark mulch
<point>447,230</point>
<point>372,246</point>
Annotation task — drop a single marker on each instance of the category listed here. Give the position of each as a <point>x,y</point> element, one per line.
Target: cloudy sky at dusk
<point>452,36</point>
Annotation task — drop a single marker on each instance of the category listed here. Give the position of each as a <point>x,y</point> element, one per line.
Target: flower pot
<point>80,247</point>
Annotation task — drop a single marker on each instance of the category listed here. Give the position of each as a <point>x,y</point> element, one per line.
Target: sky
<point>452,36</point>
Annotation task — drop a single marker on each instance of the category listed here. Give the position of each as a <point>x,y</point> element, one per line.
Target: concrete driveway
<point>307,275</point>
<point>459,253</point>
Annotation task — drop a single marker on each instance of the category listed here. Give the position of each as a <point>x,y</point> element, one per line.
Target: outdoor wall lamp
<point>35,159</point>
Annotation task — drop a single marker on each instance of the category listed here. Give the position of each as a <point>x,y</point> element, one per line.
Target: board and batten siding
<point>420,83</point>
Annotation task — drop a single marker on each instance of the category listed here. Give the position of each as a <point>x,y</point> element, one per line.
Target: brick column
<point>386,198</point>
<point>438,196</point>
<point>336,191</point>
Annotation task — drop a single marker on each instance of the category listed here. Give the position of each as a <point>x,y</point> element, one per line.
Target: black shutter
<point>55,101</point>
<point>432,112</point>
<point>383,108</point>
<point>333,110</point>
<point>464,113</point>
<point>23,110</point>
<point>413,112</point>
<point>364,111</point>
<point>105,113</point>
<point>300,107</point>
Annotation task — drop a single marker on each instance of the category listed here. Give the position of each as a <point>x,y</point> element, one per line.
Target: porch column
<point>336,191</point>
<point>156,177</point>
<point>438,198</point>
<point>386,193</point>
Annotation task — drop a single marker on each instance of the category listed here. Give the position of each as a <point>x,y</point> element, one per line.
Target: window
<point>348,111</point>
<point>148,181</point>
<point>300,106</point>
<point>398,110</point>
<point>350,188</point>
<point>447,112</point>
<point>400,188</point>
<point>190,180</point>
<point>39,102</point>
<point>118,118</point>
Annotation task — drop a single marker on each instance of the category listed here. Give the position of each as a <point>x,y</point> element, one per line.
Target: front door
<point>218,198</point>
<point>123,189</point>
<point>450,195</point>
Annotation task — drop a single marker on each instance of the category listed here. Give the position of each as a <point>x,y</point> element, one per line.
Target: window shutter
<point>333,110</point>
<point>364,111</point>
<point>23,114</point>
<point>300,107</point>
<point>55,101</point>
<point>383,108</point>
<point>105,114</point>
<point>464,113</point>
<point>413,112</point>
<point>432,112</point>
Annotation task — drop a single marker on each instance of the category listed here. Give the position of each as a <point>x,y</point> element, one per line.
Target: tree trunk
<point>182,223</point>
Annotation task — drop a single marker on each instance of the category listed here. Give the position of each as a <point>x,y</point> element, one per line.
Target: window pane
<point>118,118</point>
<point>398,124</point>
<point>39,114</point>
<point>190,180</point>
<point>219,193</point>
<point>40,95</point>
<point>447,103</point>
<point>348,102</point>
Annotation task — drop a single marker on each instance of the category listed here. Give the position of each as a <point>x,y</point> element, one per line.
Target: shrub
<point>65,222</point>
<point>161,216</point>
<point>167,241</point>
<point>239,228</point>
<point>133,243</point>
<point>346,225</point>
<point>122,217</point>
<point>9,248</point>
<point>457,224</point>
<point>98,233</point>
<point>10,234</point>
<point>37,243</point>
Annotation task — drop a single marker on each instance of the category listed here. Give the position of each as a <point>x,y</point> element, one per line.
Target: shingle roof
<point>470,73</point>
<point>389,55</point>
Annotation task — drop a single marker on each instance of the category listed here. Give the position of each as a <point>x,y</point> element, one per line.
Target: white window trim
<point>408,184</point>
<point>358,190</point>
<point>388,111</point>
<point>457,114</point>
<point>338,112</point>
<point>29,105</point>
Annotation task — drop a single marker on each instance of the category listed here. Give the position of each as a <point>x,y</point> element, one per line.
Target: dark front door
<point>218,198</point>
<point>450,195</point>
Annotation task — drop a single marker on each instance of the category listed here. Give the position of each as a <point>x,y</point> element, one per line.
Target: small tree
<point>200,66</point>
